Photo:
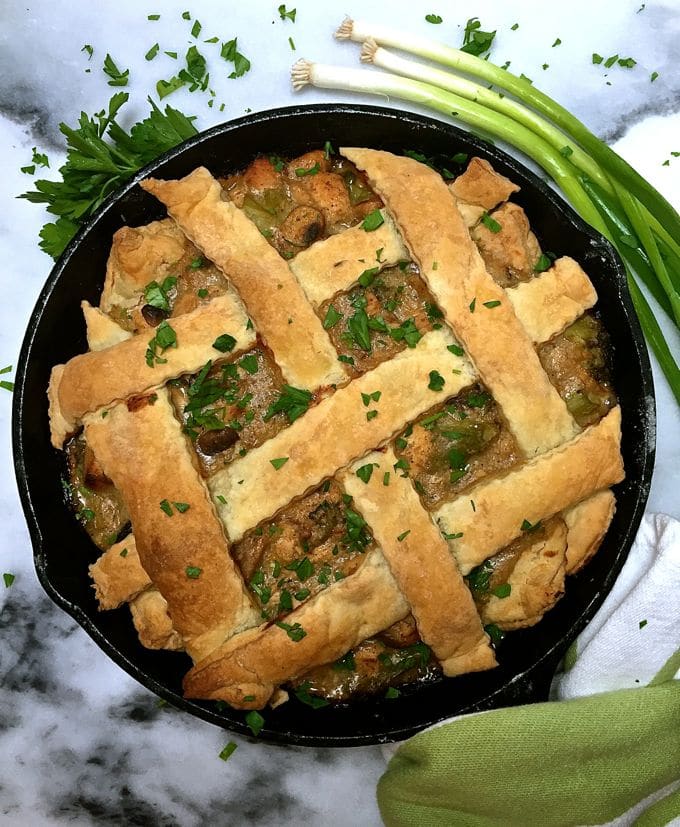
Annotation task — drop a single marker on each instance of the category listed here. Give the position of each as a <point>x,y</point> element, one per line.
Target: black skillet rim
<point>520,686</point>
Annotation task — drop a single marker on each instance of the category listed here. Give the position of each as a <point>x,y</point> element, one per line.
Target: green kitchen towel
<point>610,740</point>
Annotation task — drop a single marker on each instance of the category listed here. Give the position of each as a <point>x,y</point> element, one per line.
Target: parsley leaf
<point>193,572</point>
<point>279,462</point>
<point>435,19</point>
<point>94,166</point>
<point>372,221</point>
<point>475,41</point>
<point>156,294</point>
<point>436,382</point>
<point>292,401</point>
<point>295,632</point>
<point>118,78</point>
<point>255,722</point>
<point>224,343</point>
<point>165,337</point>
<point>332,318</point>
<point>8,578</point>
<point>490,223</point>
<point>283,14</point>
<point>303,694</point>
<point>231,54</point>
<point>366,472</point>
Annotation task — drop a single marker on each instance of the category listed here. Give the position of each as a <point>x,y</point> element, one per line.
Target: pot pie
<point>342,424</point>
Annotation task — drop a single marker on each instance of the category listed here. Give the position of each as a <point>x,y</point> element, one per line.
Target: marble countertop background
<point>80,741</point>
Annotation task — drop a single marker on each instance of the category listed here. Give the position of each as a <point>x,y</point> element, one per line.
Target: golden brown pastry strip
<point>334,264</point>
<point>333,621</point>
<point>184,551</point>
<point>552,301</point>
<point>301,456</point>
<point>545,485</point>
<point>95,379</point>
<point>274,298</point>
<point>587,522</point>
<point>536,582</point>
<point>153,623</point>
<point>422,565</point>
<point>473,304</point>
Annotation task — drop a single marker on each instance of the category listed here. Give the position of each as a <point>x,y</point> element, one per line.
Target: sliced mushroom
<point>153,316</point>
<point>302,226</point>
<point>214,442</point>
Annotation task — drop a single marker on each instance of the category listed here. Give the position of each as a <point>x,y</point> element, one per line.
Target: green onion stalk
<point>609,194</point>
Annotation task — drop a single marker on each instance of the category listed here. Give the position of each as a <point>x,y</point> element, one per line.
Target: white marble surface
<point>80,742</point>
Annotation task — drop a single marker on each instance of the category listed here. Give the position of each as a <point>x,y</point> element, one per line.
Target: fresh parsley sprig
<point>100,157</point>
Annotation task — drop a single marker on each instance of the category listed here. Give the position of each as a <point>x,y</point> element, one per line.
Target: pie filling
<point>239,401</point>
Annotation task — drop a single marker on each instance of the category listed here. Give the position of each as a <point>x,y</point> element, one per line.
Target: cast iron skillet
<point>56,332</point>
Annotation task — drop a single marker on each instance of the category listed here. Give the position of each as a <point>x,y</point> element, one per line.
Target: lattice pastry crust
<point>419,555</point>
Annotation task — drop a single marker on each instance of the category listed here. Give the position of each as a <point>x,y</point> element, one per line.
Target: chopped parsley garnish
<point>221,498</point>
<point>292,401</point>
<point>653,77</point>
<point>118,78</point>
<point>473,304</point>
<point>557,42</point>
<point>197,263</point>
<point>494,633</point>
<point>528,527</point>
<point>283,14</point>
<point>302,171</point>
<point>231,54</point>
<point>249,364</point>
<point>153,17</point>
<point>514,27</point>
<point>627,62</point>
<point>475,41</point>
<point>166,507</point>
<point>257,585</point>
<point>123,553</point>
<point>642,624</point>
<point>457,350</point>
<point>165,337</point>
<point>392,693</point>
<point>279,462</point>
<point>193,572</point>
<point>544,263</point>
<point>90,51</point>
<point>303,568</point>
<point>153,51</point>
<point>367,278</point>
<point>8,578</point>
<point>295,632</point>
<point>407,332</point>
<point>477,400</point>
<point>453,536</point>
<point>386,478</point>
<point>435,19</point>
<point>371,415</point>
<point>597,58</point>
<point>491,304</point>
<point>156,294</point>
<point>366,471</point>
<point>346,663</point>
<point>202,293</point>
<point>402,465</point>
<point>348,360</point>
<point>367,397</point>
<point>255,722</point>
<point>196,29</point>
<point>285,601</point>
<point>459,157</point>
<point>302,694</point>
<point>357,329</point>
<point>502,591</point>
<point>332,318</point>
<point>228,751</point>
<point>490,223</point>
<point>372,221</point>
<point>403,535</point>
<point>7,386</point>
<point>436,382</point>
